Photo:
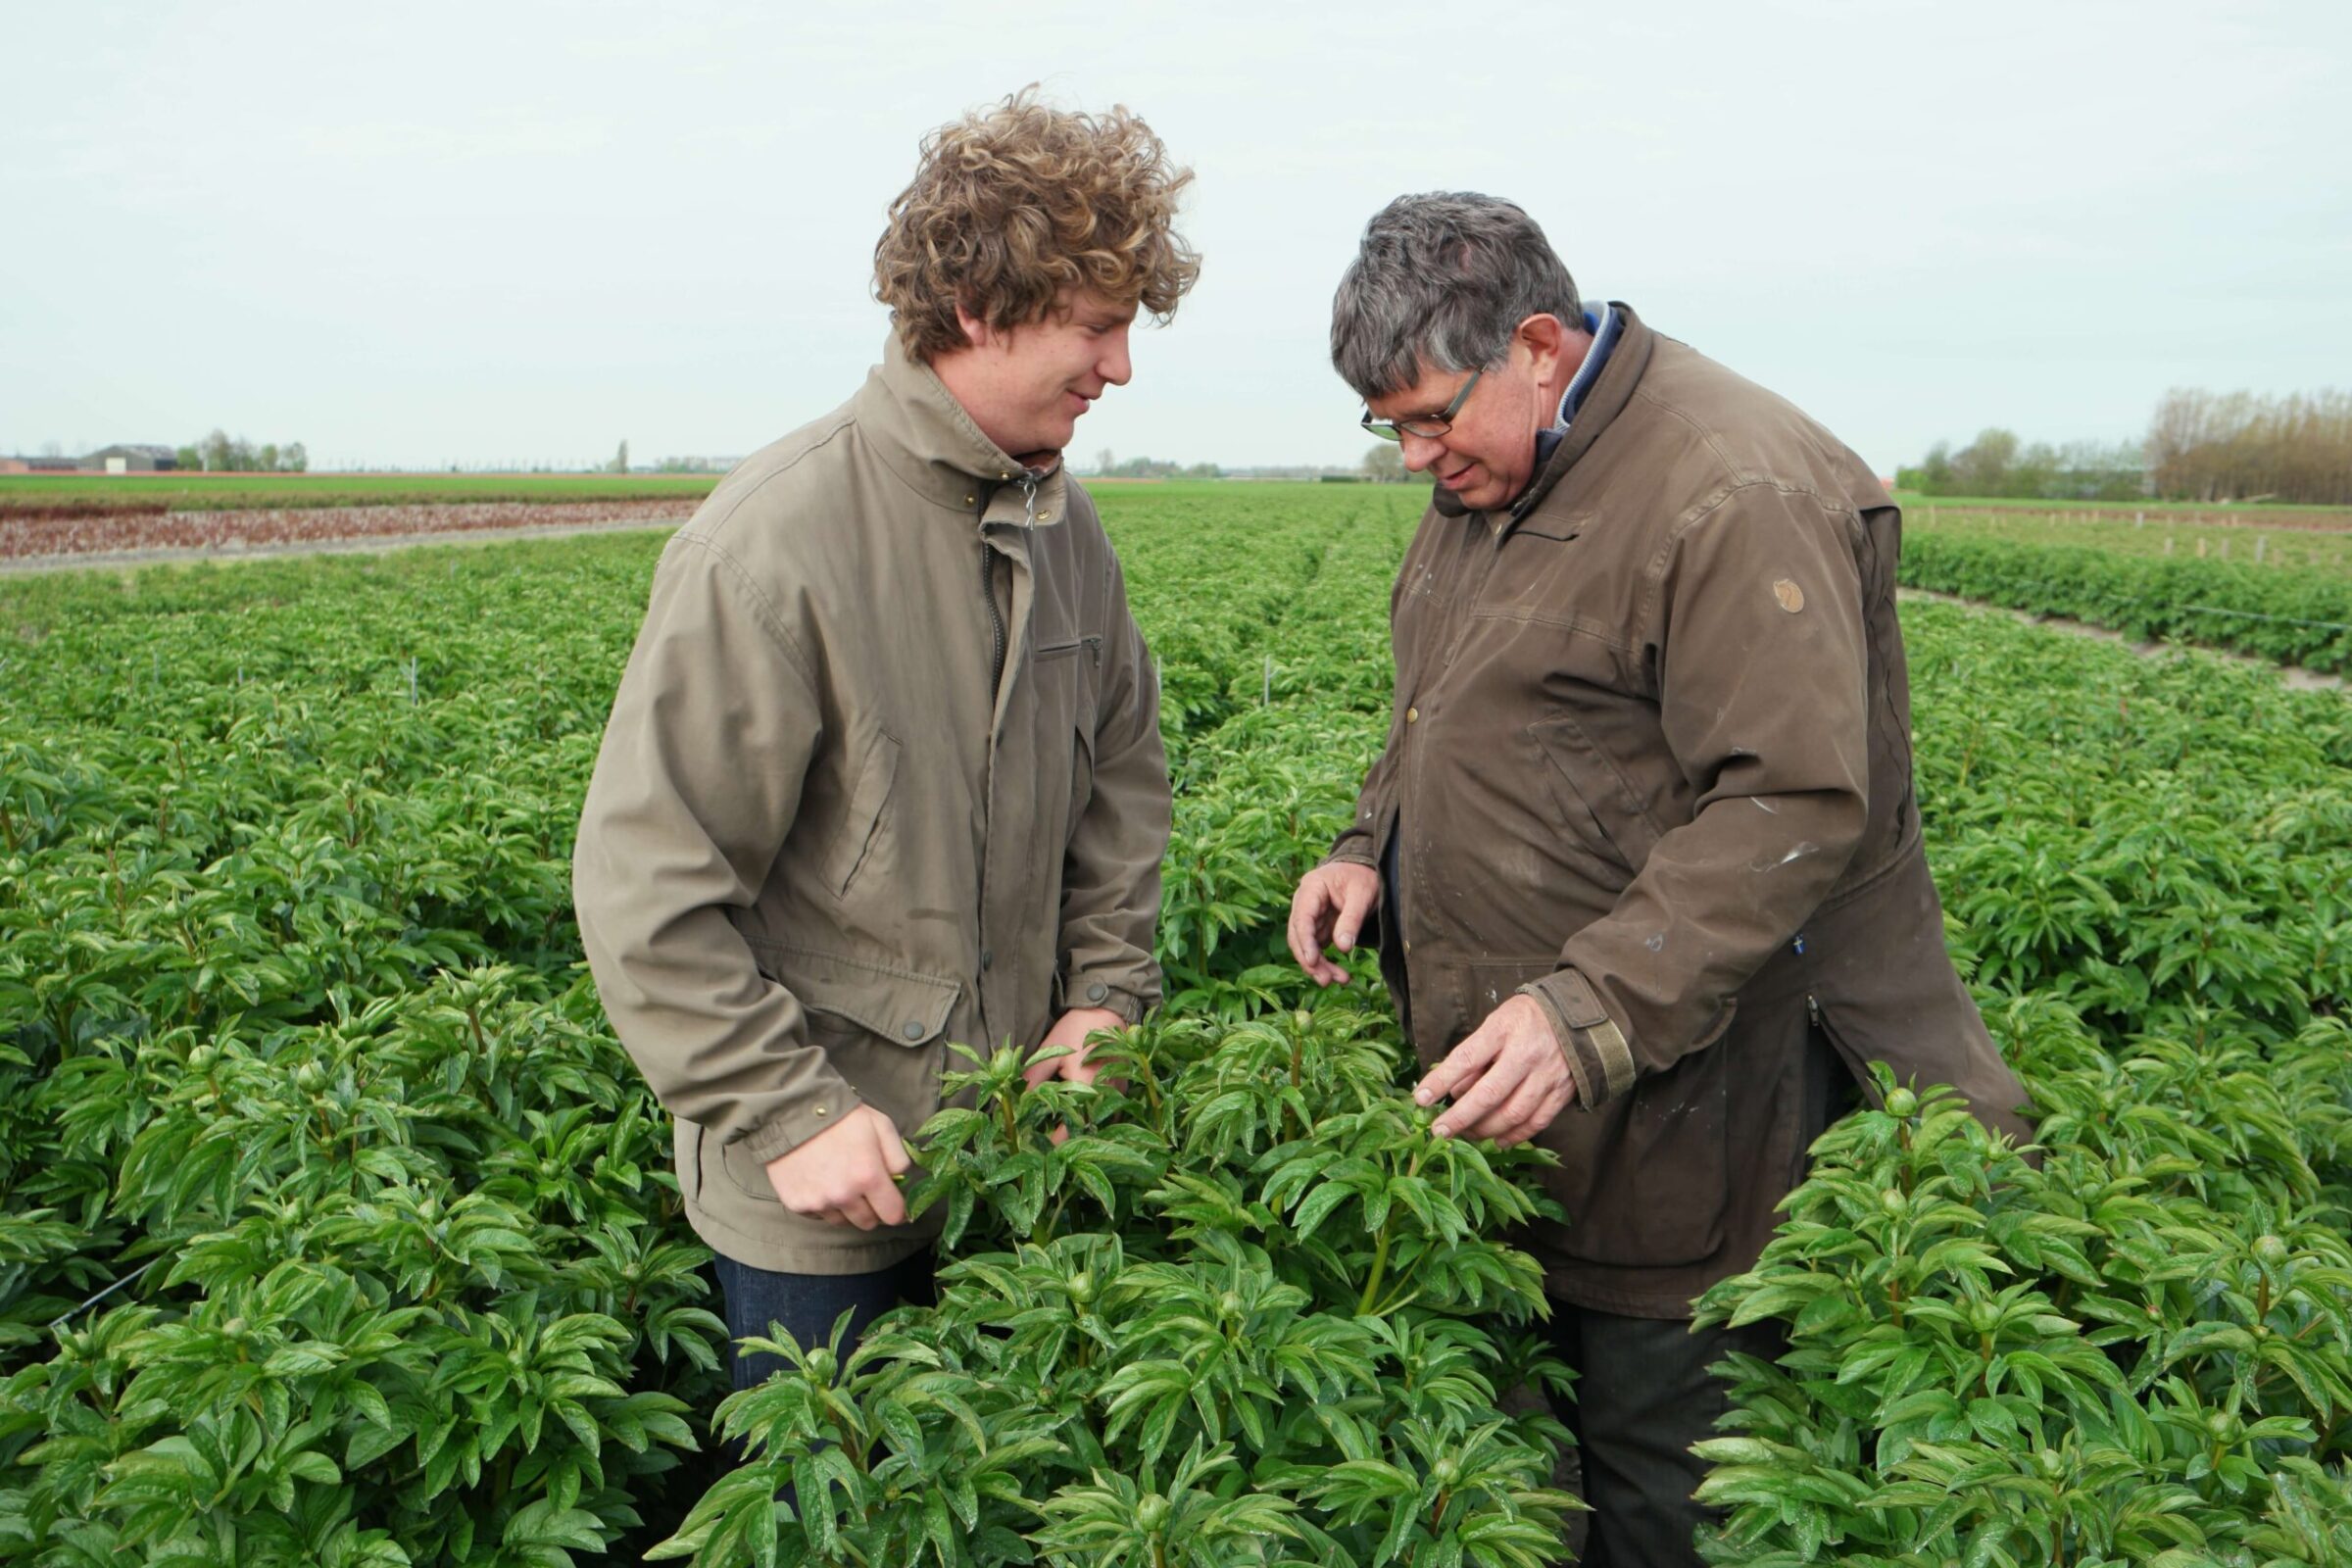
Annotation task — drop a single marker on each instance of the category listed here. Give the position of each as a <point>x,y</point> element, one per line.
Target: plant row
<point>2295,616</point>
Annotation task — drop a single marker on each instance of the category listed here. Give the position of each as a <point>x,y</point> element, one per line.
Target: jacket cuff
<point>1116,993</point>
<point>1353,848</point>
<point>788,1129</point>
<point>1598,1057</point>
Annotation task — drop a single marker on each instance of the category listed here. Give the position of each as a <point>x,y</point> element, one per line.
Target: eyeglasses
<point>1428,426</point>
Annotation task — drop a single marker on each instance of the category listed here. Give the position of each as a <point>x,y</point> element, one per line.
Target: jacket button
<point>1097,992</point>
<point>987,957</point>
<point>820,1111</point>
<point>1413,716</point>
<point>915,1031</point>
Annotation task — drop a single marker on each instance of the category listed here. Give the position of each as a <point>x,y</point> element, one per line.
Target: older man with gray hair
<point>1641,858</point>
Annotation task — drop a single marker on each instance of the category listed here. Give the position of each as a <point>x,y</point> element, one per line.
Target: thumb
<point>1354,907</point>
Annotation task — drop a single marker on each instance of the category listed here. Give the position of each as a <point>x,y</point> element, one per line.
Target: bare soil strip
<point>135,540</point>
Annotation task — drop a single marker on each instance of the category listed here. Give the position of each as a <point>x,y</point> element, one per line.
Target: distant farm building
<point>133,459</point>
<point>129,460</point>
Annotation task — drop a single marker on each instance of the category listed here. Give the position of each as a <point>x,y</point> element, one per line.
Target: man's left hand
<point>1071,1030</point>
<point>1508,1079</point>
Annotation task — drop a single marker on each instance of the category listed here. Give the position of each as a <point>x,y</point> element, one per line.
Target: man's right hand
<point>842,1175</point>
<point>1329,909</point>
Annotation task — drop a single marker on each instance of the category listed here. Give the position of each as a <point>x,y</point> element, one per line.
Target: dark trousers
<point>807,1306</point>
<point>1642,1393</point>
<point>1642,1397</point>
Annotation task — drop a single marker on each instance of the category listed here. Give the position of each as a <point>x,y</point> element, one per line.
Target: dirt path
<point>359,544</point>
<point>2293,676</point>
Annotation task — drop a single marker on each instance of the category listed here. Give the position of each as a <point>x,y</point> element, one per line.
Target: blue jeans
<point>807,1306</point>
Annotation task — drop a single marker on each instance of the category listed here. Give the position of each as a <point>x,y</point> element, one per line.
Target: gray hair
<point>1440,282</point>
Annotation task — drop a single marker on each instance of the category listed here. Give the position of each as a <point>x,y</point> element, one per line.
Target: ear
<point>976,331</point>
<point>1550,343</point>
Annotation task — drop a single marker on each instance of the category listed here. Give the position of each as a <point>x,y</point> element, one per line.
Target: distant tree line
<point>1998,463</point>
<point>1107,465</point>
<point>219,453</point>
<point>2237,446</point>
<point>2201,446</point>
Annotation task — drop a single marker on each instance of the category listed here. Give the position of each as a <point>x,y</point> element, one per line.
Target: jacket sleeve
<point>698,781</point>
<point>1758,638</point>
<point>1358,842</point>
<point>1110,872</point>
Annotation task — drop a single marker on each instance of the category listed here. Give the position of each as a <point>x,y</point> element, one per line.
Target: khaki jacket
<point>1650,766</point>
<point>884,772</point>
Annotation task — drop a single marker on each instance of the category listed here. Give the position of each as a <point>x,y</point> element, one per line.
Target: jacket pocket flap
<point>1058,647</point>
<point>901,1005</point>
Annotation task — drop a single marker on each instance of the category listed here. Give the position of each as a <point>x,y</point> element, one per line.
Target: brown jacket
<point>1650,766</point>
<point>824,837</point>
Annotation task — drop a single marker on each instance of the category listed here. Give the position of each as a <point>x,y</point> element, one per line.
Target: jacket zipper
<point>988,589</point>
<point>996,623</point>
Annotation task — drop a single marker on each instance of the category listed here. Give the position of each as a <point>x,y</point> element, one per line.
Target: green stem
<point>849,1439</point>
<point>1380,1265</point>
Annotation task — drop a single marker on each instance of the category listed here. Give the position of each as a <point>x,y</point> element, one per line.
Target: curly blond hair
<point>1012,204</point>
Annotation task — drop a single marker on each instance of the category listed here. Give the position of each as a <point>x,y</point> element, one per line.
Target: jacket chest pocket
<point>870,790</point>
<point>1068,687</point>
<point>1068,671</point>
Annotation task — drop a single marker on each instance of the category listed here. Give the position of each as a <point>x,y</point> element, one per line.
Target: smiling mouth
<point>1453,481</point>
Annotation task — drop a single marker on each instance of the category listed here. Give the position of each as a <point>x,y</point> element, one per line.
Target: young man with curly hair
<point>884,771</point>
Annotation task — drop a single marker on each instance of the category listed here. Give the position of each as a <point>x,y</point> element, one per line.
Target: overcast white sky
<point>433,233</point>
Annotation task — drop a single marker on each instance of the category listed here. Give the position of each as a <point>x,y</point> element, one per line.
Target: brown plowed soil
<point>42,537</point>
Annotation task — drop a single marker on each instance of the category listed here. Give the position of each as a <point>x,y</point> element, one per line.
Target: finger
<point>1037,1071</point>
<point>1472,1106</point>
<point>1309,908</point>
<point>895,1158</point>
<point>1357,904</point>
<point>856,1210</point>
<point>1060,1135</point>
<point>1546,1114</point>
<point>887,1204</point>
<point>1293,930</point>
<point>1512,1114</point>
<point>1461,1065</point>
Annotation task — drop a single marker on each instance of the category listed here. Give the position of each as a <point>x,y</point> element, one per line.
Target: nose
<point>1114,365</point>
<point>1420,451</point>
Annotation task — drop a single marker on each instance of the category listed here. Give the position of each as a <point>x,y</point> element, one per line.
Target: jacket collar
<point>924,436</point>
<point>1599,407</point>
